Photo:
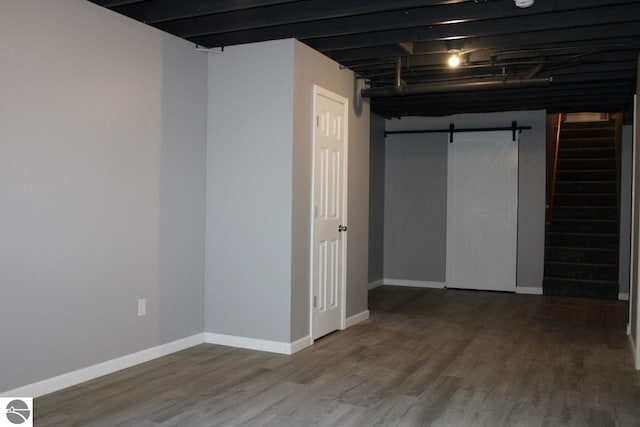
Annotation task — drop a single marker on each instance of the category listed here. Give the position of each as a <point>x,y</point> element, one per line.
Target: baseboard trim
<point>376,284</point>
<point>72,378</point>
<point>300,344</point>
<point>636,357</point>
<point>529,290</point>
<point>414,283</point>
<point>356,318</point>
<point>258,344</point>
<point>623,296</point>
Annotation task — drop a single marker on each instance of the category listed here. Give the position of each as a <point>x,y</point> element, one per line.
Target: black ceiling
<point>562,55</point>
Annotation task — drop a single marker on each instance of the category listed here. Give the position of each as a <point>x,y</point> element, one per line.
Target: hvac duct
<point>455,86</point>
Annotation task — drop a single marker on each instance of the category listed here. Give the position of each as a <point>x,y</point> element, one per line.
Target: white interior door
<point>482,211</point>
<point>329,212</point>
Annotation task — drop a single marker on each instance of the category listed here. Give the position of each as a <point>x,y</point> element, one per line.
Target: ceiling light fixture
<point>454,60</point>
<point>454,49</point>
<point>524,3</point>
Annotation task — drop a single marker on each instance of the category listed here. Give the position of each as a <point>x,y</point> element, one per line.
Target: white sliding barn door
<point>329,212</point>
<point>482,211</point>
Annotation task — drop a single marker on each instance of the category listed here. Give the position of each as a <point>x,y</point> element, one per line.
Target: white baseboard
<point>356,318</point>
<point>258,344</point>
<point>69,379</point>
<point>414,283</point>
<point>622,296</point>
<point>636,356</point>
<point>300,344</point>
<point>529,290</point>
<point>376,284</point>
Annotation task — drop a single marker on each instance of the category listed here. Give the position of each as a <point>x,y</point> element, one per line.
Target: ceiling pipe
<point>456,86</point>
<point>537,69</point>
<point>398,86</point>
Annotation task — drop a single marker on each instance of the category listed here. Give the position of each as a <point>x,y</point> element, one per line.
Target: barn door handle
<point>342,228</point>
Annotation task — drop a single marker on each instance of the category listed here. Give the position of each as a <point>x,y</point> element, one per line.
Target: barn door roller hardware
<point>452,129</point>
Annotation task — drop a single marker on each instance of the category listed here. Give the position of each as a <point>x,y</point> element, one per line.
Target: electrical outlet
<point>142,307</point>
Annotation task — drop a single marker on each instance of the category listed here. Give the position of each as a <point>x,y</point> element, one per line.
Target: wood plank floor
<point>426,357</point>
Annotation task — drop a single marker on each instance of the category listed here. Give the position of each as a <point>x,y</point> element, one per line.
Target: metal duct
<point>455,86</point>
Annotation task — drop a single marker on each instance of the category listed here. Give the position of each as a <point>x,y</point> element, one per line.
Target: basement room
<point>319,213</point>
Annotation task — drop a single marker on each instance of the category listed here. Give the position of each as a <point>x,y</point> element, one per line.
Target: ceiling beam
<point>251,13</point>
<point>432,19</point>
<point>156,11</point>
<point>476,31</point>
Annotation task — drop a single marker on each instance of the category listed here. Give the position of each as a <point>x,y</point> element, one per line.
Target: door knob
<point>342,228</point>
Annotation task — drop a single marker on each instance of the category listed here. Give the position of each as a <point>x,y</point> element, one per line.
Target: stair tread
<point>583,220</point>
<point>581,264</point>
<point>587,170</point>
<point>594,281</point>
<point>585,148</point>
<point>588,182</point>
<point>573,248</point>
<point>579,159</point>
<point>584,194</point>
<point>583,234</point>
<point>591,207</point>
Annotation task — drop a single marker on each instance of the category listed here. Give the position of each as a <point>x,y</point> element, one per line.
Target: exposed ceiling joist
<point>588,47</point>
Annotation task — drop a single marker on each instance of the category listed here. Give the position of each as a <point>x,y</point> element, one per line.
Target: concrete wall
<point>102,177</point>
<point>249,163</point>
<point>376,199</point>
<point>415,211</point>
<point>312,68</point>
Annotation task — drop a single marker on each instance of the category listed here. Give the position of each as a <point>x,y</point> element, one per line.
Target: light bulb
<point>454,60</point>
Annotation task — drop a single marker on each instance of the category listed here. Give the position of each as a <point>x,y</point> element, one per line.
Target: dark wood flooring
<point>426,357</point>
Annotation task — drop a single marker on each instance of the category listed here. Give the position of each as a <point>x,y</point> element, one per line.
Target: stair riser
<point>592,256</point>
<point>586,272</point>
<point>587,133</point>
<point>598,124</point>
<point>587,153</point>
<point>583,241</point>
<point>557,287</point>
<point>581,226</point>
<point>586,164</point>
<point>585,187</point>
<point>571,212</point>
<point>585,200</point>
<point>600,175</point>
<point>605,142</point>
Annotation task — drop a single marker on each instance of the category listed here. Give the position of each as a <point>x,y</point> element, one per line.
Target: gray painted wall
<point>312,68</point>
<point>249,162</point>
<point>102,182</point>
<point>634,316</point>
<point>259,189</point>
<point>415,212</point>
<point>376,199</point>
<point>626,164</point>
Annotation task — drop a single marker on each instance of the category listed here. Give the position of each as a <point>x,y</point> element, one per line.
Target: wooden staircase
<point>582,238</point>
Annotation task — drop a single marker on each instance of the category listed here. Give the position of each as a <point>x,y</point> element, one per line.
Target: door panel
<point>482,211</point>
<point>329,213</point>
